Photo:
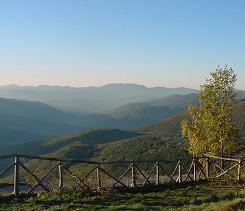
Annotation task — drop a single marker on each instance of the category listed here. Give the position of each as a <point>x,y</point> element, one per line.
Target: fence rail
<point>30,174</point>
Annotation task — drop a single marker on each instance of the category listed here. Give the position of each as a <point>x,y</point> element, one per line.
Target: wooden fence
<point>30,174</point>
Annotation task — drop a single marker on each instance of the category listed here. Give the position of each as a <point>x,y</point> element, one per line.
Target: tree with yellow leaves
<point>210,128</point>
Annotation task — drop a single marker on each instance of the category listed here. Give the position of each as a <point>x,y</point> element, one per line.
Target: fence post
<point>157,174</point>
<point>194,170</point>
<point>207,168</point>
<point>133,177</point>
<point>16,176</point>
<point>61,179</point>
<point>180,172</point>
<point>239,171</point>
<point>98,177</point>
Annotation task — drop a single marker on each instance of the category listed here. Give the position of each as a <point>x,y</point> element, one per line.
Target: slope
<point>89,137</point>
<point>155,110</point>
<point>23,121</point>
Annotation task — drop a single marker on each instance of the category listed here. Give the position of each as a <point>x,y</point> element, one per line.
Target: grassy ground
<point>200,197</point>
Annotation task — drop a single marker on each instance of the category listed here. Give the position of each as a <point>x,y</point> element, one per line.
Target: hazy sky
<point>87,42</point>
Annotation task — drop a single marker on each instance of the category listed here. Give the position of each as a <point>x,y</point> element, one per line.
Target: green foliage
<point>211,128</point>
<point>149,147</point>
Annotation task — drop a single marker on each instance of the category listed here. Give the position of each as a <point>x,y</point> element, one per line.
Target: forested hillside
<point>172,124</point>
<point>151,111</point>
<point>171,127</point>
<point>89,137</point>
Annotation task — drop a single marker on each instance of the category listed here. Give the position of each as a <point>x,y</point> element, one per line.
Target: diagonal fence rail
<point>32,174</point>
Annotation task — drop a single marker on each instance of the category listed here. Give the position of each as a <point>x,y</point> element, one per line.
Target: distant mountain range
<point>25,121</point>
<point>89,100</point>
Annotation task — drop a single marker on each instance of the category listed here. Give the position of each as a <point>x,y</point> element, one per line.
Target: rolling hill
<point>89,137</point>
<point>137,147</point>
<point>155,110</point>
<point>172,125</point>
<point>23,121</point>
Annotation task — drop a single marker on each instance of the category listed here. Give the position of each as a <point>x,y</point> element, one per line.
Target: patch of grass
<point>200,197</point>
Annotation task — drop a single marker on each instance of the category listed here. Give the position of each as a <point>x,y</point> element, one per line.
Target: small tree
<point>210,127</point>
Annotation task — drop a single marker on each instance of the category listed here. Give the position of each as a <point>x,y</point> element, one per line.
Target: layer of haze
<point>93,42</point>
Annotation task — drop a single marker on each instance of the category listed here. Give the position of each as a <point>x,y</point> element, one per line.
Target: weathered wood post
<point>194,170</point>
<point>61,179</point>
<point>207,168</point>
<point>180,172</point>
<point>133,176</point>
<point>239,171</point>
<point>157,173</point>
<point>16,175</point>
<point>98,176</point>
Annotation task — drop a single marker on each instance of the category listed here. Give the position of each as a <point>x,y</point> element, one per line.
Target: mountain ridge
<point>87,100</point>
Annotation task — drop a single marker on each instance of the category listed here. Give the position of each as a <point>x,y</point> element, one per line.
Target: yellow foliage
<point>210,128</point>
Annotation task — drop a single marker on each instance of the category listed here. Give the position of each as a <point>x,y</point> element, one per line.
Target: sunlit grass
<point>202,197</point>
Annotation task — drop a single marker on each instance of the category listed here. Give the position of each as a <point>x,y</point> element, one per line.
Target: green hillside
<point>24,121</point>
<point>147,147</point>
<point>156,110</point>
<point>89,137</point>
<point>171,127</point>
<point>172,124</point>
<point>137,115</point>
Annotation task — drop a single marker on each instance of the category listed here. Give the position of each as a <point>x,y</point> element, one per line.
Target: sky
<point>171,43</point>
